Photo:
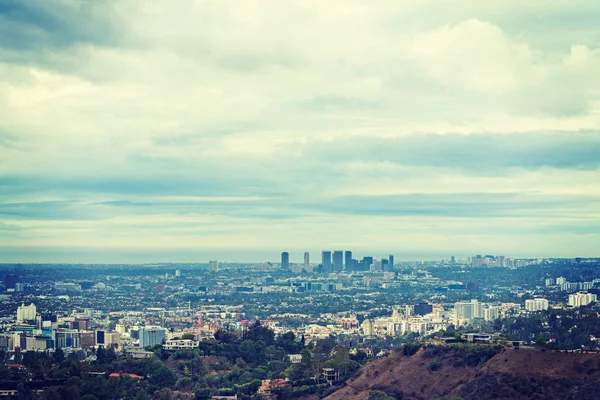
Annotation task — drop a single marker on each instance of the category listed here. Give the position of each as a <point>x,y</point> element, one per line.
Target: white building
<point>536,304</point>
<point>367,327</point>
<point>213,266</point>
<point>469,310</point>
<point>549,282</point>
<point>581,299</point>
<point>26,313</point>
<point>491,313</point>
<point>560,280</point>
<point>180,344</point>
<point>297,269</point>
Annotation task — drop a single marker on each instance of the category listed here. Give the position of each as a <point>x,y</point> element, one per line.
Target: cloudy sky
<point>138,131</point>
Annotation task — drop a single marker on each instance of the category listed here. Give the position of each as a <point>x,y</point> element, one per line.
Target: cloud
<point>261,123</point>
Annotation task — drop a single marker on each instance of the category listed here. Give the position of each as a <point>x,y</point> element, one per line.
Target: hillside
<point>468,372</point>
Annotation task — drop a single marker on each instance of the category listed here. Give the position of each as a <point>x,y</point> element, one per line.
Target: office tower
<point>500,261</point>
<point>213,266</point>
<point>338,261</point>
<point>285,260</point>
<point>477,261</point>
<point>307,262</point>
<point>391,262</point>
<point>326,257</point>
<point>367,261</point>
<point>178,273</point>
<point>452,260</point>
<point>422,308</point>
<point>151,336</point>
<point>348,261</point>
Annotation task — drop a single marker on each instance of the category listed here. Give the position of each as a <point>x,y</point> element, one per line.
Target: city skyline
<point>417,129</point>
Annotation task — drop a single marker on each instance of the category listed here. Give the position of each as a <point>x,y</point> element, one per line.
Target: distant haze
<point>197,130</point>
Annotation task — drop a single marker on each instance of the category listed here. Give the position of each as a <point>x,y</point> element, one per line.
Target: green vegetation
<point>231,364</point>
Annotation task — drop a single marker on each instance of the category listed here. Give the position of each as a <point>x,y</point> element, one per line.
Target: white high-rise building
<point>536,304</point>
<point>549,281</point>
<point>26,313</point>
<point>307,262</point>
<point>582,299</point>
<point>560,280</point>
<point>469,310</point>
<point>178,273</point>
<point>367,327</point>
<point>213,266</point>
<point>491,313</point>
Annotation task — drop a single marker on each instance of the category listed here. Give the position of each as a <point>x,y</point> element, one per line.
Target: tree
<point>163,394</point>
<point>101,356</point>
<point>58,356</point>
<point>259,332</point>
<point>224,336</point>
<point>202,394</point>
<point>188,336</point>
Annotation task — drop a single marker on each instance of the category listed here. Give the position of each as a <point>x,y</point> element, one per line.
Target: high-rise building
<point>367,261</point>
<point>491,313</point>
<point>581,299</point>
<point>469,310</point>
<point>285,260</point>
<point>306,260</point>
<point>151,336</point>
<point>213,266</point>
<point>338,260</point>
<point>500,261</point>
<point>422,309</point>
<point>348,264</point>
<point>178,273</point>
<point>391,262</point>
<point>536,304</point>
<point>26,313</point>
<point>326,257</point>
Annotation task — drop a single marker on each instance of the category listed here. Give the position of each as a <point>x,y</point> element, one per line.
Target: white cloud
<point>227,95</point>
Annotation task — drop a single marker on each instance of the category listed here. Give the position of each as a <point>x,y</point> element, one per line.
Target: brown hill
<point>472,372</point>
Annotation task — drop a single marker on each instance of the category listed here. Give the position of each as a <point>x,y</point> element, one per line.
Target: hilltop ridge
<point>476,372</point>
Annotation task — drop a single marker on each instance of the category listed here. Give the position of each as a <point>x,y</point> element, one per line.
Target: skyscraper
<point>285,260</point>
<point>338,260</point>
<point>213,266</point>
<point>391,262</point>
<point>348,261</point>
<point>367,261</point>
<point>326,256</point>
<point>306,260</point>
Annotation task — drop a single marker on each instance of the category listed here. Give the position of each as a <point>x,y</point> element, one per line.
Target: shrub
<point>435,365</point>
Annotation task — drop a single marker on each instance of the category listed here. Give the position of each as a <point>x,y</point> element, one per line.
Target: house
<point>120,374</point>
<point>139,353</point>
<point>180,344</point>
<point>295,358</point>
<point>266,389</point>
